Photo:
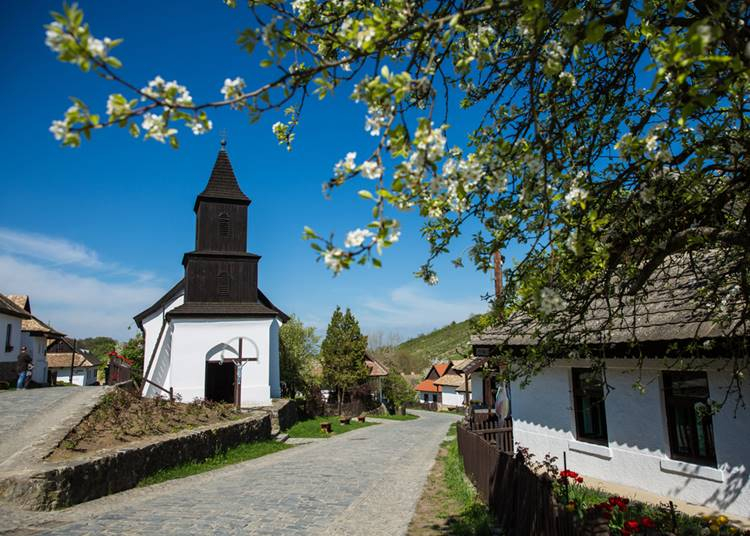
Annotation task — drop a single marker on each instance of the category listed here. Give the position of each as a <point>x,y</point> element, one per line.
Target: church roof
<point>265,307</point>
<point>222,185</point>
<point>222,309</point>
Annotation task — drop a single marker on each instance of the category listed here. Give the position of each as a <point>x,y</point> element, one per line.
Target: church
<point>215,335</point>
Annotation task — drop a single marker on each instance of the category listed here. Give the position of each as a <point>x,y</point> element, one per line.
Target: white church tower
<point>215,335</point>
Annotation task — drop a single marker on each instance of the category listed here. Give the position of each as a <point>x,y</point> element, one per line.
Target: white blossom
<point>575,196</point>
<point>232,87</point>
<point>156,127</point>
<point>371,170</point>
<point>568,78</point>
<point>96,47</point>
<point>347,165</point>
<point>394,236</point>
<point>56,37</point>
<point>59,129</point>
<point>356,237</point>
<point>432,279</point>
<point>332,258</point>
<point>364,36</point>
<point>199,127</point>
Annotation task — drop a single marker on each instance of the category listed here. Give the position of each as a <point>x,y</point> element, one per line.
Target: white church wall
<point>193,340</point>
<point>274,366</point>
<point>159,371</point>
<point>637,453</point>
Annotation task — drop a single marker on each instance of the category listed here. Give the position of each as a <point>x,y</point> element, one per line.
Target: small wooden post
<point>238,378</point>
<point>73,360</point>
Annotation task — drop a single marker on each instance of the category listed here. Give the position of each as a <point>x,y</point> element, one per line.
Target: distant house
<point>377,372</point>
<point>35,335</point>
<point>661,440</point>
<point>60,357</point>
<point>427,391</point>
<point>11,316</point>
<point>452,390</point>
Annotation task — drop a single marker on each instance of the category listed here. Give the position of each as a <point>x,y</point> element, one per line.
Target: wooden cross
<point>239,362</point>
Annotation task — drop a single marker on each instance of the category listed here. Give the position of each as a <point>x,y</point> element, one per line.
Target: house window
<point>223,286</point>
<point>225,228</point>
<point>8,333</point>
<point>691,433</point>
<point>434,398</point>
<point>588,404</point>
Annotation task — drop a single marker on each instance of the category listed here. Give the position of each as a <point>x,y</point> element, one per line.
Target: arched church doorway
<point>220,379</point>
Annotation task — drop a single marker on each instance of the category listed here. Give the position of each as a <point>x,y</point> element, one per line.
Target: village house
<point>215,335</point>
<point>660,440</point>
<point>63,355</point>
<point>377,371</point>
<point>11,316</point>
<point>35,335</point>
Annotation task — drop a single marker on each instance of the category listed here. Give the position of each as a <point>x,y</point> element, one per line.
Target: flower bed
<point>623,517</point>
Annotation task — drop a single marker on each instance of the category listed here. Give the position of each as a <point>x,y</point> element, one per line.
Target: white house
<point>215,335</point>
<point>61,355</point>
<point>35,335</point>
<point>10,325</point>
<point>660,440</point>
<point>451,385</point>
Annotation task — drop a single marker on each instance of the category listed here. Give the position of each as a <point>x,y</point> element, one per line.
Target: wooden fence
<point>521,501</point>
<point>118,371</point>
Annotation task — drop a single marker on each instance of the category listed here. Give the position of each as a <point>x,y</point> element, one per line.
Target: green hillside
<point>440,345</point>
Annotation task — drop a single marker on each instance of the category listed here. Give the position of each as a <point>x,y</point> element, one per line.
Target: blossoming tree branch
<point>612,135</point>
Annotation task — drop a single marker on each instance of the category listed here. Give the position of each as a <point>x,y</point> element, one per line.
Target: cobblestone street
<point>364,482</point>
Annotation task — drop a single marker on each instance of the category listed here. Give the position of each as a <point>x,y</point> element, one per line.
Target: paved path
<point>35,420</point>
<point>363,482</point>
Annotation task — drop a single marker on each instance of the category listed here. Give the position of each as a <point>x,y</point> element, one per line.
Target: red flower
<point>625,532</point>
<point>568,474</point>
<point>648,522</point>
<point>579,479</point>
<point>632,525</point>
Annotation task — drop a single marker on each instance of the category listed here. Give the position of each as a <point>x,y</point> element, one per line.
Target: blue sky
<point>96,234</point>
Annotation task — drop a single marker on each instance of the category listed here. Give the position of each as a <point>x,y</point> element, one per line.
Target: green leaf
<point>365,194</point>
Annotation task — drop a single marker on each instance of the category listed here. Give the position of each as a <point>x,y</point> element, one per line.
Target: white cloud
<point>71,287</point>
<point>47,248</point>
<point>412,309</point>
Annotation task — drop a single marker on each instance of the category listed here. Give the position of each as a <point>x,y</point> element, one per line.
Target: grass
<point>441,344</point>
<point>474,517</point>
<point>240,453</point>
<point>311,427</point>
<point>407,417</point>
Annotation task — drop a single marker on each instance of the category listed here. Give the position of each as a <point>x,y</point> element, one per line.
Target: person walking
<point>23,364</point>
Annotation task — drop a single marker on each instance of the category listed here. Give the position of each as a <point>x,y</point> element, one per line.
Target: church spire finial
<point>224,140</point>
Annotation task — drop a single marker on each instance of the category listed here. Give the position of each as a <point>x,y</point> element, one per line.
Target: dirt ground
<point>435,508</point>
<point>122,418</point>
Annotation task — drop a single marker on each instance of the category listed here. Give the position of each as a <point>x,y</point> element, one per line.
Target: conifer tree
<point>343,354</point>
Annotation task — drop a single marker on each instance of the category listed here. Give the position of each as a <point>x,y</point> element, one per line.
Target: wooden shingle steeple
<point>221,277</point>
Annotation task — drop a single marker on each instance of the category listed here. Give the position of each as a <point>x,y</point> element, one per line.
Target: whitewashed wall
<point>192,344</point>
<point>451,397</point>
<point>477,387</point>
<point>81,376</point>
<point>15,337</point>
<point>637,454</point>
<point>159,371</point>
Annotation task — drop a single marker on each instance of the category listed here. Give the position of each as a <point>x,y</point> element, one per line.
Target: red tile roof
<point>427,386</point>
<point>441,368</point>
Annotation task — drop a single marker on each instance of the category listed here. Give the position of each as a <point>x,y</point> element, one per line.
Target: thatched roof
<point>62,360</point>
<point>452,380</point>
<point>669,307</point>
<point>33,324</point>
<point>375,367</point>
<point>8,307</point>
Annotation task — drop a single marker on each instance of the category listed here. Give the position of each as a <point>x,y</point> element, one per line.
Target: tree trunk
<point>340,393</point>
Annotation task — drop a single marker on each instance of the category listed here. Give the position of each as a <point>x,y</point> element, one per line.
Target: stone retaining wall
<point>64,484</point>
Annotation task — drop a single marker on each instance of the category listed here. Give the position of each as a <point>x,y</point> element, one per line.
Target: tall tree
<point>610,138</point>
<point>298,347</point>
<point>100,347</point>
<point>343,354</point>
